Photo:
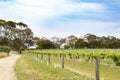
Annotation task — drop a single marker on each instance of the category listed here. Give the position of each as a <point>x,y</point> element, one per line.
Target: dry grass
<point>2,55</point>
<point>28,68</point>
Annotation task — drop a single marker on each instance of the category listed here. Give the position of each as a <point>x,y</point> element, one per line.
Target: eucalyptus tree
<point>22,25</point>
<point>25,35</point>
<point>14,34</point>
<point>71,41</point>
<point>45,44</point>
<point>10,27</point>
<point>28,36</point>
<point>92,40</point>
<point>6,32</point>
<point>56,41</point>
<point>80,43</point>
<point>6,28</point>
<point>2,24</point>
<point>20,33</point>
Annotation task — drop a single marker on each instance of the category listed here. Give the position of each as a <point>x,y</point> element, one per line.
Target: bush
<point>4,49</point>
<point>118,63</point>
<point>45,44</point>
<point>66,47</point>
<point>116,59</point>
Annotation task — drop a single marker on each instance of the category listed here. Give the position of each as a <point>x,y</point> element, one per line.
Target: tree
<point>61,41</point>
<point>11,26</point>
<point>80,43</point>
<point>21,34</point>
<point>22,25</point>
<point>17,43</point>
<point>56,42</point>
<point>45,44</point>
<point>2,25</point>
<point>28,36</point>
<point>92,40</point>
<point>12,32</point>
<point>71,41</point>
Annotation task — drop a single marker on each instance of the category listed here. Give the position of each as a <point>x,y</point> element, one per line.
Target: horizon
<point>82,36</point>
<point>63,18</point>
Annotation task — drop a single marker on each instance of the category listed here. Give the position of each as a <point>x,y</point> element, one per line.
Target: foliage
<point>94,41</point>
<point>17,44</point>
<point>66,47</point>
<point>116,59</point>
<point>71,41</point>
<point>86,54</point>
<point>12,32</point>
<point>45,44</point>
<point>81,44</point>
<point>4,49</point>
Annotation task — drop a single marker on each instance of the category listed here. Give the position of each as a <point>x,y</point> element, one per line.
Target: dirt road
<point>7,67</point>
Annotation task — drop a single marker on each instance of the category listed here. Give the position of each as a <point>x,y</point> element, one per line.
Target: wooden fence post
<point>37,55</point>
<point>41,56</point>
<point>32,54</point>
<point>49,58</point>
<point>62,60</point>
<point>97,68</point>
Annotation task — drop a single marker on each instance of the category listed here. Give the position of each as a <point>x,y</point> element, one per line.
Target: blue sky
<point>62,18</point>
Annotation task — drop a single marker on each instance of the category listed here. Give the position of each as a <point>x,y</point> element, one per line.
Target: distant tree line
<point>90,41</point>
<point>16,35</point>
<point>93,41</point>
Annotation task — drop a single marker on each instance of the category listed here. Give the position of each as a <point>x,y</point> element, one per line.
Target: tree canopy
<point>45,44</point>
<point>15,34</point>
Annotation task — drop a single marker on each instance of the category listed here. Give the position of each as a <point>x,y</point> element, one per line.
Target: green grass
<point>87,68</point>
<point>27,68</point>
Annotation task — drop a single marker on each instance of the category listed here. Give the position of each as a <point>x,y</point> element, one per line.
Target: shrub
<point>4,49</point>
<point>118,63</point>
<point>66,47</point>
<point>116,59</point>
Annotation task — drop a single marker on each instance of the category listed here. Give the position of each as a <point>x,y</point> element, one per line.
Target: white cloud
<point>50,8</point>
<point>35,12</point>
<point>80,28</point>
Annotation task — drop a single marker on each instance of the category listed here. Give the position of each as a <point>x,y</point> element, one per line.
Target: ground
<point>7,67</point>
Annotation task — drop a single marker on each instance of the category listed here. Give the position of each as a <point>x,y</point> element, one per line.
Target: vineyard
<point>111,56</point>
<point>82,61</point>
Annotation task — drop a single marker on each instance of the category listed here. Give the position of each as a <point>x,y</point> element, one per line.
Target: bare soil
<point>7,67</point>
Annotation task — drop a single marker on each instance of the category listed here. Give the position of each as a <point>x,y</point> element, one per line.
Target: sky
<point>61,18</point>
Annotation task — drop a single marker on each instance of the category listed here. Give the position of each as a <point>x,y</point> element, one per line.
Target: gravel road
<point>7,67</point>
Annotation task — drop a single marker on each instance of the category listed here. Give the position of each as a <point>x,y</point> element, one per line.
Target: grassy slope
<point>28,68</point>
<point>106,72</point>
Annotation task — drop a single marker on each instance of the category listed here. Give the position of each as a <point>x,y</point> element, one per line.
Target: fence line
<point>62,56</point>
